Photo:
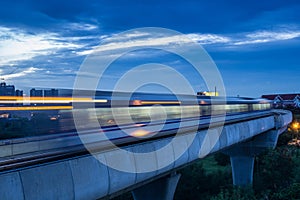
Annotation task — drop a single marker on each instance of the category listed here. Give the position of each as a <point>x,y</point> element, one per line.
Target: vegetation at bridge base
<point>235,193</point>
<point>198,183</point>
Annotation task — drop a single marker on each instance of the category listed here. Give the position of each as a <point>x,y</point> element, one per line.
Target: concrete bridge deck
<point>108,173</point>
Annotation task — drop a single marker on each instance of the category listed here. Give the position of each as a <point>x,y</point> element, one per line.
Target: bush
<point>222,159</point>
<point>235,193</point>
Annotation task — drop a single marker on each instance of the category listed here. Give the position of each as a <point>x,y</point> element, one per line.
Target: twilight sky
<point>255,44</point>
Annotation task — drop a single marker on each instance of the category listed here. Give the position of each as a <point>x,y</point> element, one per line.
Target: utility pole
<point>215,90</point>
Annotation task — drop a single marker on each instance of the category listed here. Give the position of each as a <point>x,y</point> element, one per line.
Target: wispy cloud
<point>209,38</point>
<point>81,26</point>
<point>26,71</point>
<point>144,39</point>
<point>267,36</point>
<point>116,42</point>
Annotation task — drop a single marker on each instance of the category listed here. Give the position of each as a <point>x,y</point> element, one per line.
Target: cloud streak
<point>117,42</point>
<point>25,72</point>
<point>143,39</point>
<point>267,36</point>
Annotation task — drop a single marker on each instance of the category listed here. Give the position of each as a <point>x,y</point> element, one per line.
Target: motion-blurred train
<point>27,116</point>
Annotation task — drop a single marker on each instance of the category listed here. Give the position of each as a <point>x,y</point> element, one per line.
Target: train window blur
<point>205,110</point>
<point>263,106</point>
<point>233,108</point>
<point>218,109</point>
<point>22,120</point>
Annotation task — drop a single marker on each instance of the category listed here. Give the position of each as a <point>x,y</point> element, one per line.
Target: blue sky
<point>255,44</point>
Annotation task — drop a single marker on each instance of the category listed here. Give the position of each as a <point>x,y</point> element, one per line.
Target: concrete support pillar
<point>242,156</point>
<point>161,189</point>
<point>242,170</point>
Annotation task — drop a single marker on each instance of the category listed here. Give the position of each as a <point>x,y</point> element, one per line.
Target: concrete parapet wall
<point>282,118</point>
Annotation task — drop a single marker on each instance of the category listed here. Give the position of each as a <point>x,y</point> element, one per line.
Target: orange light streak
<point>160,102</point>
<point>13,99</point>
<point>37,108</point>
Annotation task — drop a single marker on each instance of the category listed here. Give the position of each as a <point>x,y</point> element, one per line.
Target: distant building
<point>51,93</point>
<point>7,90</point>
<point>284,100</point>
<point>36,93</point>
<point>19,93</point>
<point>43,93</point>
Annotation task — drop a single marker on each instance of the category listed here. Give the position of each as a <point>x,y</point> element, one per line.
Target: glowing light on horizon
<point>160,102</point>
<point>295,125</point>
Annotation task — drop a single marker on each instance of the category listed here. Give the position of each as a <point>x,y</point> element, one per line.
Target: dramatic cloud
<point>17,45</point>
<point>55,36</point>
